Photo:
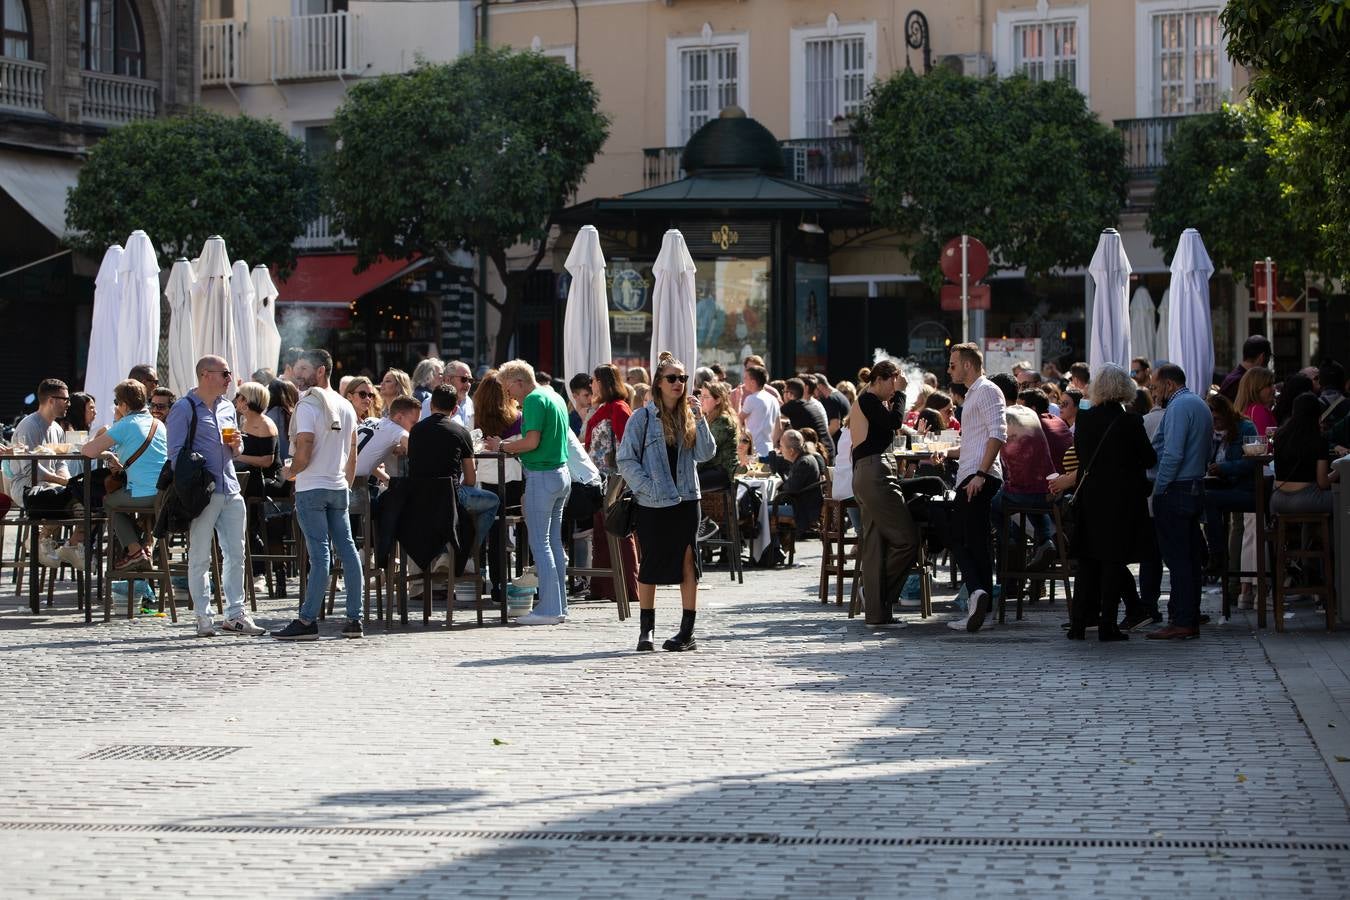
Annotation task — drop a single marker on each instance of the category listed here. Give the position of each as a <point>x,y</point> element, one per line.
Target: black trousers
<point>1098,590</point>
<point>970,536</point>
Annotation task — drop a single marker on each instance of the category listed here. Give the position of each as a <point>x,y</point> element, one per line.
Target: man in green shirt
<point>542,448</point>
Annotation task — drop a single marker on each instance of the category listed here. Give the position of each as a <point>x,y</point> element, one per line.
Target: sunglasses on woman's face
<point>676,379</point>
<point>367,394</point>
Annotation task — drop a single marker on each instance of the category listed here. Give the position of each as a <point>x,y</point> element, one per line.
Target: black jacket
<point>1112,504</point>
<point>423,515</point>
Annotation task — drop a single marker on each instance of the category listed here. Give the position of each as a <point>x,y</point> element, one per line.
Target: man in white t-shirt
<point>459,376</point>
<point>759,412</point>
<point>385,438</point>
<point>323,453</point>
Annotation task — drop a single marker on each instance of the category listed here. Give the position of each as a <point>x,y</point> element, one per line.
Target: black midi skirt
<point>663,535</point>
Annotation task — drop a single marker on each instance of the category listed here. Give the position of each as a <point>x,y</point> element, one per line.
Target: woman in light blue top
<point>138,443</point>
<point>663,444</point>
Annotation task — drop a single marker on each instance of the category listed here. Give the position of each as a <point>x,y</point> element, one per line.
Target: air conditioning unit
<point>976,65</point>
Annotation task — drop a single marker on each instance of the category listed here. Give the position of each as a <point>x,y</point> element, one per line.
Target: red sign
<point>1259,283</point>
<point>951,297</point>
<point>977,260</point>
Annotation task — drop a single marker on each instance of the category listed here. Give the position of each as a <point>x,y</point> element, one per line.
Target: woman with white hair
<point>426,377</point>
<point>1111,508</point>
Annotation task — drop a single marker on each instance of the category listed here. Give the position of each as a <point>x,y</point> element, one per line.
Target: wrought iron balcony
<point>322,46</point>
<point>834,162</point>
<point>222,51</point>
<point>1146,142</point>
<point>319,235</point>
<point>23,84</point>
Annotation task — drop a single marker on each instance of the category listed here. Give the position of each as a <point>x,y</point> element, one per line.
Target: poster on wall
<point>630,315</point>
<point>812,292</point>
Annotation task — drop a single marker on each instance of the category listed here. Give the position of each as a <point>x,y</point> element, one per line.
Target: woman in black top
<point>890,539</point>
<point>1302,461</point>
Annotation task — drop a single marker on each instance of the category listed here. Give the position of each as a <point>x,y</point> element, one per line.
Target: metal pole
<point>965,288</point>
<point>1270,311</point>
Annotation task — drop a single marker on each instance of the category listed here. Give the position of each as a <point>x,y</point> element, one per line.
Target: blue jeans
<point>1040,522</point>
<point>482,505</point>
<point>1225,500</point>
<point>322,515</point>
<point>1176,515</point>
<point>545,496</point>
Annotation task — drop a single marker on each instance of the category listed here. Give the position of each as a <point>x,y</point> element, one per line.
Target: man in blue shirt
<point>1183,442</point>
<point>226,514</point>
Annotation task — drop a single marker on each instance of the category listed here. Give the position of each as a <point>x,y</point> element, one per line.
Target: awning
<point>38,182</point>
<point>330,280</point>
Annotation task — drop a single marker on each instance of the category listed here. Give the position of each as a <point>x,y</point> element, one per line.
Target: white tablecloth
<point>767,487</point>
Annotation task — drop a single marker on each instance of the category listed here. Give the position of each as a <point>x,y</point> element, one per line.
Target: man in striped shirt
<point>984,431</point>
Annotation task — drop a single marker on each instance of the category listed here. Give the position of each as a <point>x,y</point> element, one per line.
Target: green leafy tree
<point>476,155</point>
<point>1299,54</point>
<point>184,179</point>
<point>1232,175</point>
<point>1025,167</point>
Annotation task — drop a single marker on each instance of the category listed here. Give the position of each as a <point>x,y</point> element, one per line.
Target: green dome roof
<point>732,142</point>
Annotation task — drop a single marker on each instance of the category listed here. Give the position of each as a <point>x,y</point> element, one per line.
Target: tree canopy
<point>1231,175</point>
<point>1025,167</point>
<point>477,154</point>
<point>186,178</point>
<point>1299,55</point>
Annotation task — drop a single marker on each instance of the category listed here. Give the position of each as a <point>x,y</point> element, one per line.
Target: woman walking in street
<point>890,539</point>
<point>662,445</point>
<point>1111,505</point>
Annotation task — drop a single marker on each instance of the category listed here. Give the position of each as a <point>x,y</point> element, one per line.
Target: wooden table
<point>35,529</point>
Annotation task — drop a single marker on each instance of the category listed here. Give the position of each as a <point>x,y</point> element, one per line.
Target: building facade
<point>70,70</point>
<point>293,61</point>
<point>801,67</point>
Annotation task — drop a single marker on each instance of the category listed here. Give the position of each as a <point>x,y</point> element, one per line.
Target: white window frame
<point>1144,13</point>
<point>1007,21</point>
<point>675,47</point>
<point>797,62</point>
<point>566,52</point>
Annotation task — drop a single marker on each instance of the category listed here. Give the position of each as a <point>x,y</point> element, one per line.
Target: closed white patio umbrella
<point>245,320</point>
<point>1190,333</point>
<point>212,313</point>
<point>1164,322</point>
<point>138,314</point>
<point>266,337</point>
<point>102,371</point>
<point>1110,271</point>
<point>673,303</point>
<point>586,321</point>
<point>1143,324</point>
<point>182,349</point>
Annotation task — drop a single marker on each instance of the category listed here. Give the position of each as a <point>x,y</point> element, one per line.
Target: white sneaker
<point>958,624</point>
<point>242,625</point>
<point>48,554</point>
<point>205,627</point>
<point>538,619</point>
<point>440,564</point>
<point>72,555</point>
<point>260,584</point>
<point>471,568</point>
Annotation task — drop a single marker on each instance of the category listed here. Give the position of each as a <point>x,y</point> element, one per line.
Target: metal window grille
<point>1046,50</point>
<point>1186,62</point>
<point>836,81</point>
<point>710,82</point>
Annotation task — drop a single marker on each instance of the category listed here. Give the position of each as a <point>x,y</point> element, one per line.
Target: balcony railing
<point>319,235</point>
<point>117,99</point>
<point>1145,142</point>
<point>222,51</point>
<point>23,84</point>
<point>834,162</point>
<point>322,46</point>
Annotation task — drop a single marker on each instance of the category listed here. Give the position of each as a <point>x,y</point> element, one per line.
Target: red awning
<point>329,280</point>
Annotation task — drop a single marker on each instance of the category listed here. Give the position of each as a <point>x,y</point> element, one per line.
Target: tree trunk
<point>515,290</point>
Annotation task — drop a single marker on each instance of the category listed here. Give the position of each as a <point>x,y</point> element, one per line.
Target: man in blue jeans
<point>1183,443</point>
<point>323,448</point>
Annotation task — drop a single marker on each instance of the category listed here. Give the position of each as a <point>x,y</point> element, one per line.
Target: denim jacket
<point>642,460</point>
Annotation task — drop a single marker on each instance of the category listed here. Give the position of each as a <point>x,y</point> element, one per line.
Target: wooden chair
<point>719,504</point>
<point>1012,556</point>
<point>1298,526</point>
<point>159,570</point>
<point>839,556</point>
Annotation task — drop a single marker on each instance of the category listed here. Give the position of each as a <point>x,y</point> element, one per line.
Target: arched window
<point>16,29</point>
<point>111,38</point>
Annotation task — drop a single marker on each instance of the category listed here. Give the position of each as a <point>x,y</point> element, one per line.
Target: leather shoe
<point>1174,633</point>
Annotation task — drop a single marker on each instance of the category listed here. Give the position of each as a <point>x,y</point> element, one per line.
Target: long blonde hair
<point>1254,381</point>
<point>669,423</point>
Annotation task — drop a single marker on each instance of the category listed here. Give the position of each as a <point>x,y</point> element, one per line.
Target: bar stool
<point>160,571</point>
<point>1295,524</point>
<point>1059,570</point>
<point>839,555</point>
<point>719,504</point>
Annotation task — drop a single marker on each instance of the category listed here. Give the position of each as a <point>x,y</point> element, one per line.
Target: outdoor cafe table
<point>767,487</point>
<point>35,529</point>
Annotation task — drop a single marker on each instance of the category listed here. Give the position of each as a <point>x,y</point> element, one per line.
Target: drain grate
<point>161,752</point>
<point>694,837</point>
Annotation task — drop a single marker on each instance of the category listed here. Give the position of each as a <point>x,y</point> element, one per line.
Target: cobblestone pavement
<point>795,753</point>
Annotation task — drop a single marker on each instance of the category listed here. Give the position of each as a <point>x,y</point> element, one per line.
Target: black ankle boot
<point>646,625</point>
<point>685,639</point>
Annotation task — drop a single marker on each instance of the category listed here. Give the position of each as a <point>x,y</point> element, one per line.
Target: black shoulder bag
<point>192,483</point>
<point>1068,513</point>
